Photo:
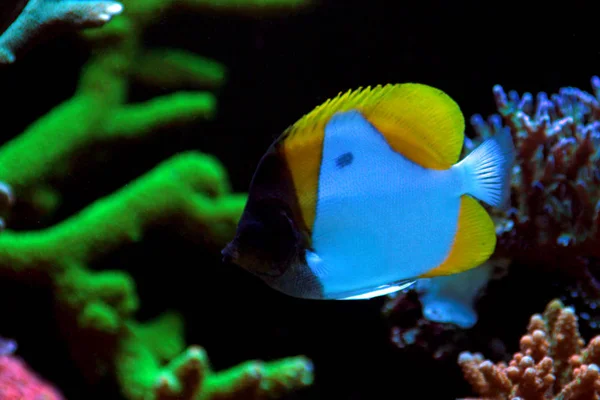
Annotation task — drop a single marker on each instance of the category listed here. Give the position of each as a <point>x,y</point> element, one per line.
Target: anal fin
<point>474,243</point>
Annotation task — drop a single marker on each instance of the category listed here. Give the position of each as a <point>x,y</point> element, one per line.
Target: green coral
<point>189,192</point>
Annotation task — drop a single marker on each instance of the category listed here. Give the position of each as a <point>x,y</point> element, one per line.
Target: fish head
<point>265,242</point>
<point>269,242</point>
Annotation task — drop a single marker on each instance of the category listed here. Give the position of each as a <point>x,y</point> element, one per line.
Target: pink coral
<point>554,363</point>
<point>19,382</point>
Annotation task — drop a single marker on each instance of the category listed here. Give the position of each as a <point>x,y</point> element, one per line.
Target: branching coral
<point>190,191</point>
<point>99,113</point>
<point>554,220</point>
<point>38,18</point>
<point>555,186</point>
<point>553,363</point>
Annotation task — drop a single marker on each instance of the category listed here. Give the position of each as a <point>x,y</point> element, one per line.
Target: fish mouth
<point>283,277</point>
<point>230,254</point>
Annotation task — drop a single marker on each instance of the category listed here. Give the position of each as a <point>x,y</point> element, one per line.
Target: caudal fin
<point>487,169</point>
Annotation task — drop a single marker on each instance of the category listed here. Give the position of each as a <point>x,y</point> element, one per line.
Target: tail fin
<point>487,169</point>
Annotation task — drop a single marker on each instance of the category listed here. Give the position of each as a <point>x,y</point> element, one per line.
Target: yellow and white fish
<point>366,194</point>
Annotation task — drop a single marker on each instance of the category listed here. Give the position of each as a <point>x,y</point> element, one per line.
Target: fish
<point>367,193</point>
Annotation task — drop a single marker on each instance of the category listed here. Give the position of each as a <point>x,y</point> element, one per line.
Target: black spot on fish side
<point>344,160</point>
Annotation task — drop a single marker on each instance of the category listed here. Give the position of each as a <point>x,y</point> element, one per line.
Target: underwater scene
<point>299,199</point>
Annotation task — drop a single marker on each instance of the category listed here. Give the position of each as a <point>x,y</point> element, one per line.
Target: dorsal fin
<point>422,123</point>
<point>418,121</point>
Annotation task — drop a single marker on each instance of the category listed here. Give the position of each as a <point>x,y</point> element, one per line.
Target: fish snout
<point>230,254</point>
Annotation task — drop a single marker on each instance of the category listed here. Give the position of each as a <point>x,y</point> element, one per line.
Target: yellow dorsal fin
<point>418,121</point>
<point>422,123</point>
<point>474,243</point>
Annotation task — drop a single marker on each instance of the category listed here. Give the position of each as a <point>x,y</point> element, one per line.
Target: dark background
<point>279,69</point>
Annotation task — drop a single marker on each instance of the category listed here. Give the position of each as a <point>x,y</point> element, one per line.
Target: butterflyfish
<point>366,194</point>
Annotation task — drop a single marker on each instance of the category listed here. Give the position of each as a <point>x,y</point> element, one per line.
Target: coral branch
<point>41,17</point>
<point>190,192</point>
<point>171,68</point>
<point>555,184</point>
<point>100,304</point>
<point>250,8</point>
<point>189,375</point>
<point>17,381</point>
<point>96,115</point>
<point>553,224</point>
<point>160,113</point>
<point>550,365</point>
<point>256,380</point>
